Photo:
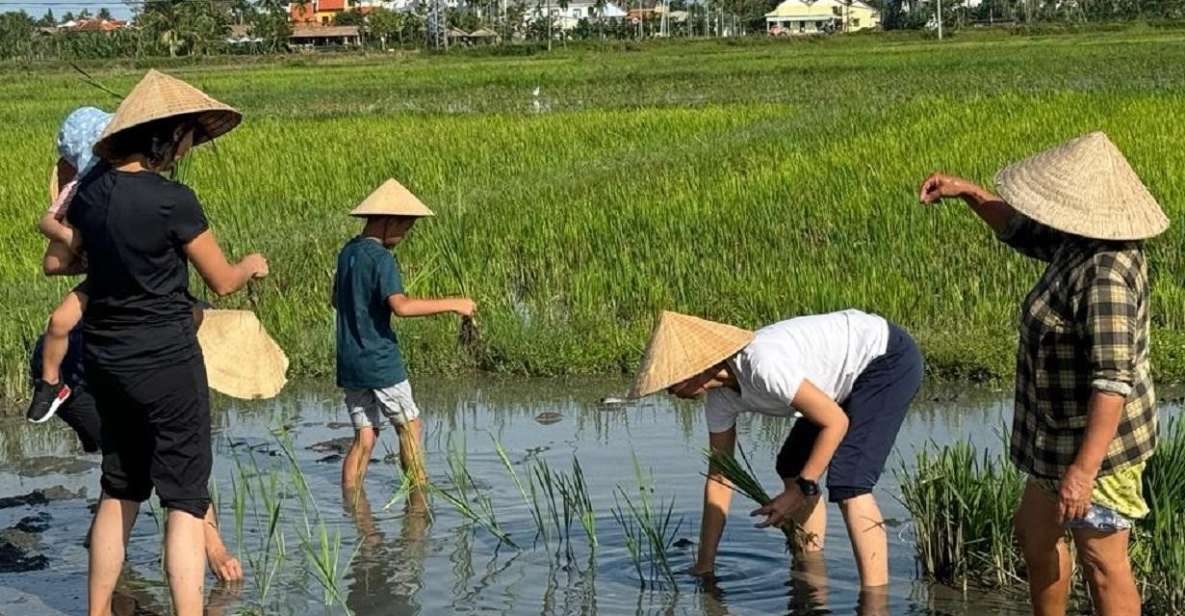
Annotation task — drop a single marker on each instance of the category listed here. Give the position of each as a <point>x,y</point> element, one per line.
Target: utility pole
<point>940,20</point>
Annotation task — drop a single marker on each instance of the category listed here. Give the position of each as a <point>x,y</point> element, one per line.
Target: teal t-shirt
<point>367,351</point>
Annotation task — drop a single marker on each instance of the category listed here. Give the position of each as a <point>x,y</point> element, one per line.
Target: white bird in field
<point>536,91</point>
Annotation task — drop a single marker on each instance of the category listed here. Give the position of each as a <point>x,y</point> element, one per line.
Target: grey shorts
<point>367,407</point>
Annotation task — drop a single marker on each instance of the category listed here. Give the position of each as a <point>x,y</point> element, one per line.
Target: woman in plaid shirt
<point>1085,417</point>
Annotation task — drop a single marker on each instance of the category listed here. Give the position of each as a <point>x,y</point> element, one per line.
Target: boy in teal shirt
<point>367,289</point>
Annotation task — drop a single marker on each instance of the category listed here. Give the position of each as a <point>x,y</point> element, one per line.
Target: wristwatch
<point>809,488</point>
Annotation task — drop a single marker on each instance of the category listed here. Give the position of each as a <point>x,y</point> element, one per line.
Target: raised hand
<point>941,186</point>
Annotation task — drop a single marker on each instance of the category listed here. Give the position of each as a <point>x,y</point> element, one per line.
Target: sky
<point>37,8</point>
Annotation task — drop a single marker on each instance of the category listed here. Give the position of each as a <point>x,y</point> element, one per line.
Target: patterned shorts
<point>1117,500</point>
<point>1102,519</point>
<point>368,407</point>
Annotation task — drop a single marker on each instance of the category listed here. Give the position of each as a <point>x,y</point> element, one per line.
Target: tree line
<point>203,27</point>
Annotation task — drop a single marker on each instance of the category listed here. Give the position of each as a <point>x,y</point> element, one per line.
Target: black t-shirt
<point>134,227</point>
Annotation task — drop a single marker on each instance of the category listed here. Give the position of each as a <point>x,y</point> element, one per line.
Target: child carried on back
<point>76,140</point>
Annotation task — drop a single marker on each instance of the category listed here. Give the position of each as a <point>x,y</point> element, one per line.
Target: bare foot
<point>223,564</point>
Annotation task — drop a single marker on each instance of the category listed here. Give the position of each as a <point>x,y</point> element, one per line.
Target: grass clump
<point>650,529</point>
<point>1158,544</point>
<point>962,501</point>
<point>465,495</point>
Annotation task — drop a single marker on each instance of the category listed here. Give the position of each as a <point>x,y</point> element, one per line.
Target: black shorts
<point>880,397</point>
<point>155,433</point>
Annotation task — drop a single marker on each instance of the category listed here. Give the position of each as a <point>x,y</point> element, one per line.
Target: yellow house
<point>802,17</point>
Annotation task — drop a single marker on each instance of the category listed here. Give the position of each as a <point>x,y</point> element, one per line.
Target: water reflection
<point>385,577</point>
<point>407,563</point>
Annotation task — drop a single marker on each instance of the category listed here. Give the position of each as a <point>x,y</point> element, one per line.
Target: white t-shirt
<point>829,350</point>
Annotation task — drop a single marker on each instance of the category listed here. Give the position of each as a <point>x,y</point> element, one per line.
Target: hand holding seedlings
<point>255,265</point>
<point>780,508</point>
<point>465,307</point>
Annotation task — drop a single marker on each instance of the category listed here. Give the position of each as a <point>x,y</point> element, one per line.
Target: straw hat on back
<point>391,199</point>
<point>1084,187</point>
<point>160,96</point>
<point>242,360</point>
<point>683,346</point>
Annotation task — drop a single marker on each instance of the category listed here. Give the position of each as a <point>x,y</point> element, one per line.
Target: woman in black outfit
<point>140,230</point>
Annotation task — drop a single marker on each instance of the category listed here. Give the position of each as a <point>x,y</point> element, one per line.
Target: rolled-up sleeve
<point>1031,238</point>
<point>1111,321</point>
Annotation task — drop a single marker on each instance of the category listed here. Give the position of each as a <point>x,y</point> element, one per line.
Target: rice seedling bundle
<point>742,479</point>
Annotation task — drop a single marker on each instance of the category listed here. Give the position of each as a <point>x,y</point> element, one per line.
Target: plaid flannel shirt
<point>1083,327</point>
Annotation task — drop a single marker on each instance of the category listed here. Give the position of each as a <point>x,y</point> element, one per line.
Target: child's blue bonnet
<point>78,134</point>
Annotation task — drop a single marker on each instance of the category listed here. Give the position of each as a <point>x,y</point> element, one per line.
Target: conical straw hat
<point>1084,187</point>
<point>160,96</point>
<point>682,346</point>
<point>242,360</point>
<point>391,199</point>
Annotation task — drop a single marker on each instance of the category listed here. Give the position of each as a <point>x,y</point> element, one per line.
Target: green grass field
<point>742,181</point>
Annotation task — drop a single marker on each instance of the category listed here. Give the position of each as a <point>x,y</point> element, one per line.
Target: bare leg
<point>809,582</point>
<point>185,561</point>
<point>411,460</point>
<point>873,602</point>
<point>812,518</point>
<point>221,562</point>
<point>1108,571</point>
<point>1043,542</point>
<point>870,542</point>
<point>108,542</point>
<point>57,336</point>
<point>358,458</point>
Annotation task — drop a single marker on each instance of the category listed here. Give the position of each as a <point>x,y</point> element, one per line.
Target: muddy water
<point>393,562</point>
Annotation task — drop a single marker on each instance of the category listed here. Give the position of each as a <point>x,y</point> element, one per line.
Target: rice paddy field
<point>579,192</point>
<point>545,501</point>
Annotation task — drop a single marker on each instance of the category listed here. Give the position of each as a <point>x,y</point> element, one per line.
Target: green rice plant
<point>962,502</point>
<point>482,513</point>
<point>744,480</point>
<point>531,501</point>
<point>632,535</point>
<point>583,503</point>
<point>542,475</point>
<point>648,527</point>
<point>263,494</point>
<point>406,482</point>
<point>564,224</point>
<point>468,499</point>
<point>1158,543</point>
<point>323,551</point>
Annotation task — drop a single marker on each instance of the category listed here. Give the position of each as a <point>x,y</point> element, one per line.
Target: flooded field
<point>304,551</point>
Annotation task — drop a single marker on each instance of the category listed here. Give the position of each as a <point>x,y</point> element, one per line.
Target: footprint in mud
<point>335,445</point>
<point>612,403</point>
<point>19,551</point>
<point>41,466</point>
<point>34,524</point>
<point>41,497</point>
<point>548,417</point>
